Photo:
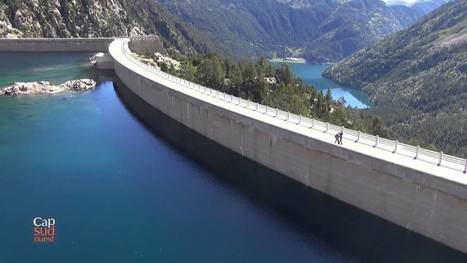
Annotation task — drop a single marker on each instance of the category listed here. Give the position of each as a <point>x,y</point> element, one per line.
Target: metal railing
<point>414,152</point>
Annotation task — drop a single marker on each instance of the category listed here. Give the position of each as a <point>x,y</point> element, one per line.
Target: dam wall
<point>430,200</point>
<point>147,45</point>
<point>55,44</point>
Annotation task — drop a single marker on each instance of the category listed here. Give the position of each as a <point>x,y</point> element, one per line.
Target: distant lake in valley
<point>312,74</point>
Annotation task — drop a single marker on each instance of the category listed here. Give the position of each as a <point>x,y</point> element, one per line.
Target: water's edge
<point>312,74</point>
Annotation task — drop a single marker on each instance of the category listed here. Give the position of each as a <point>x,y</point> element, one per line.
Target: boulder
<point>80,85</point>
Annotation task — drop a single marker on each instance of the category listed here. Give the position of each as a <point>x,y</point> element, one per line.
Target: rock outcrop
<point>80,85</point>
<point>44,87</point>
<point>96,18</point>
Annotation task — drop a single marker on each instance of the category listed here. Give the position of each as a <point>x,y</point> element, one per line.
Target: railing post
<point>376,140</point>
<point>465,166</point>
<point>359,134</point>
<point>299,119</point>
<point>312,123</point>
<point>327,127</point>
<point>288,116</point>
<point>267,109</point>
<point>440,158</point>
<point>396,144</point>
<point>257,106</point>
<point>247,103</point>
<point>418,151</point>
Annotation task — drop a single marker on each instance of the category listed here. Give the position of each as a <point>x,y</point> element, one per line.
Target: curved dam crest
<point>409,194</point>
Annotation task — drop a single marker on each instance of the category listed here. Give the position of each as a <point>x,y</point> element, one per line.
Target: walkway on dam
<point>429,162</point>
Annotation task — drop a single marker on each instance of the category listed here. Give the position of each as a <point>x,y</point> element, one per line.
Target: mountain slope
<point>319,30</point>
<point>86,18</point>
<point>410,14</point>
<point>418,78</point>
<point>351,26</point>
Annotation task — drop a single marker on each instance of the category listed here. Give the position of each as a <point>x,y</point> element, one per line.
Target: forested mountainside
<point>86,18</point>
<point>319,30</point>
<point>418,79</point>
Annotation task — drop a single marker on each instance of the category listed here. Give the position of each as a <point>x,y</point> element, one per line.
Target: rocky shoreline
<point>44,87</point>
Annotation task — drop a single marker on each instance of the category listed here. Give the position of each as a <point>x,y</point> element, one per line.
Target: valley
<point>324,30</point>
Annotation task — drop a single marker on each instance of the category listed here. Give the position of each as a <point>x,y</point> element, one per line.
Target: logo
<point>43,230</point>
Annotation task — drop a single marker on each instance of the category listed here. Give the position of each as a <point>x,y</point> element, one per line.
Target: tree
<point>211,72</point>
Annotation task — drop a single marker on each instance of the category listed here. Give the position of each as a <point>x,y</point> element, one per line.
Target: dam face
<point>414,199</point>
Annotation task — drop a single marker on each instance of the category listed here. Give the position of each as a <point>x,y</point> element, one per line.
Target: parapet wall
<point>55,44</point>
<point>412,197</point>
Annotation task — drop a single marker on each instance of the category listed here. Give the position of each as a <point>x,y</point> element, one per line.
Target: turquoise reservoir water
<point>54,67</point>
<point>312,74</point>
<point>119,193</point>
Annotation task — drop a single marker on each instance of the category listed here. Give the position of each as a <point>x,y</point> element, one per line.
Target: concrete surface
<point>55,44</point>
<point>421,197</point>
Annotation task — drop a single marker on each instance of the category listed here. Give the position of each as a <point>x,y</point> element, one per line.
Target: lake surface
<point>119,193</point>
<point>312,74</point>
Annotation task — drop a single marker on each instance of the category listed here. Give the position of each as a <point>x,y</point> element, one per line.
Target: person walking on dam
<point>337,136</point>
<point>341,135</point>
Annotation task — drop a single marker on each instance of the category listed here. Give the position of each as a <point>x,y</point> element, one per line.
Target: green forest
<point>259,81</point>
<point>417,80</point>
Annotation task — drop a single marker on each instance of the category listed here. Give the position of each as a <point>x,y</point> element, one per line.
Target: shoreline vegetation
<point>262,82</point>
<point>312,74</point>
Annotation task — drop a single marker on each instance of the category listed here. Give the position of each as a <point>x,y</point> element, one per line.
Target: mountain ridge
<point>318,30</point>
<point>417,78</point>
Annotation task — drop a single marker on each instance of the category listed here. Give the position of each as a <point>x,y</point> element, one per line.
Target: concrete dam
<point>417,189</point>
<point>421,195</point>
<point>55,44</point>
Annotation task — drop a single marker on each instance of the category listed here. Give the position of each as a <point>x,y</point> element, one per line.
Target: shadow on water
<point>349,230</point>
